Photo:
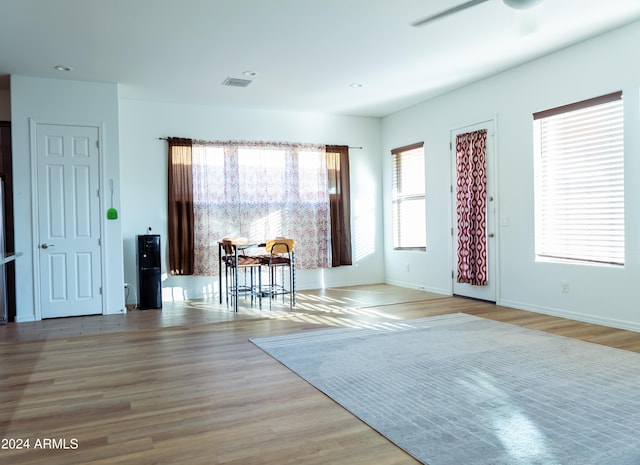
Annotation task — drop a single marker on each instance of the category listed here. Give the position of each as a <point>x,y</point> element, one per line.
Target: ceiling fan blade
<point>450,11</point>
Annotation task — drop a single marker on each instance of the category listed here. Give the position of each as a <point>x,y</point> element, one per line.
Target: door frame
<point>35,223</point>
<point>492,186</point>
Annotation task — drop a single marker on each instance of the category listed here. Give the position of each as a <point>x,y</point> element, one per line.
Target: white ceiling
<point>307,53</point>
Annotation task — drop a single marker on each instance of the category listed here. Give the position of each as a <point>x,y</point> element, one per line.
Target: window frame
<point>397,198</point>
<point>558,236</point>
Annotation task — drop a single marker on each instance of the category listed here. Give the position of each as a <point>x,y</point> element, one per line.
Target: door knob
<point>46,246</point>
<point>492,235</point>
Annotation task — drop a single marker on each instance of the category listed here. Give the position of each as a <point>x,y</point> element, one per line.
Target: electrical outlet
<point>564,287</point>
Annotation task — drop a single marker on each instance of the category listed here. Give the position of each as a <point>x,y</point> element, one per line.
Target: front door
<point>474,211</point>
<point>68,220</point>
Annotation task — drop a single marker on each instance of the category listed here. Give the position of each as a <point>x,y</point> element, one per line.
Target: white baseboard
<point>434,290</point>
<point>610,322</point>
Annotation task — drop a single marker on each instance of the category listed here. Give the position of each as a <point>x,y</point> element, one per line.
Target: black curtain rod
<point>354,148</point>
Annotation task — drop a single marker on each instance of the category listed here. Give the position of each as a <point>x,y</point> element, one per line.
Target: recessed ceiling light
<point>63,68</point>
<point>250,73</point>
<point>356,85</point>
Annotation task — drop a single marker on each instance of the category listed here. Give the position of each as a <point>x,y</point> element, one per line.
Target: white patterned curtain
<point>260,190</point>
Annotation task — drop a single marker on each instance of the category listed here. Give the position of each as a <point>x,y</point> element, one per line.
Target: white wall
<point>600,294</point>
<point>144,180</point>
<point>74,102</point>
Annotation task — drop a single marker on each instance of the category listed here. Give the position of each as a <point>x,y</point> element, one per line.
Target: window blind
<point>580,181</point>
<point>408,187</point>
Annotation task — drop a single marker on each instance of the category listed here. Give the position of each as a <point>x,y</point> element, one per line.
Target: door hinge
<point>97,144</point>
<point>452,274</point>
<point>452,231</point>
<point>99,242</point>
<point>100,290</point>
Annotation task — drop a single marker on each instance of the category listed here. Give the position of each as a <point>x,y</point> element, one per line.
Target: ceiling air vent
<point>235,82</point>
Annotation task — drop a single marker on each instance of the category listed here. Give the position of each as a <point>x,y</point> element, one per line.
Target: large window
<point>408,197</point>
<point>579,162</point>
<point>259,190</point>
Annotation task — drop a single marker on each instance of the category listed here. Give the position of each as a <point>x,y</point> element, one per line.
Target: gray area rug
<point>462,390</point>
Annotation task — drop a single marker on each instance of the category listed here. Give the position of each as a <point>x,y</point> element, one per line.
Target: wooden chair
<point>280,256</point>
<point>235,260</point>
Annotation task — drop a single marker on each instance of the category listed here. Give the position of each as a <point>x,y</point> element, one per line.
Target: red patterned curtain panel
<point>471,207</point>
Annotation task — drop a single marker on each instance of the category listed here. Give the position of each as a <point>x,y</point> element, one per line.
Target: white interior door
<point>488,290</point>
<point>68,220</point>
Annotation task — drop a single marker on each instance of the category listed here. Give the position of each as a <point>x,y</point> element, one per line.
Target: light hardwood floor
<point>183,385</point>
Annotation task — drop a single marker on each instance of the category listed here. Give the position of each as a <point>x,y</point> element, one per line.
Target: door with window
<point>68,226</point>
<point>474,211</point>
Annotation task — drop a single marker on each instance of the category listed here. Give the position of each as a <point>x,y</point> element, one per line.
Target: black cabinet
<point>149,279</point>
